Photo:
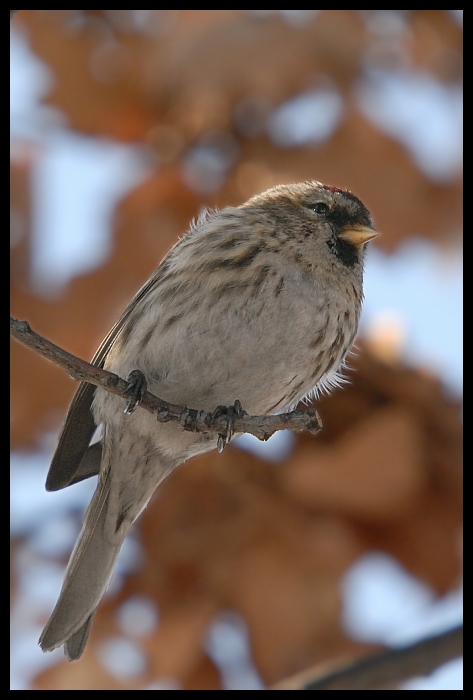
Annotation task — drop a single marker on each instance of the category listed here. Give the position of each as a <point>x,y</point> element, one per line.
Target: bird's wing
<point>73,459</point>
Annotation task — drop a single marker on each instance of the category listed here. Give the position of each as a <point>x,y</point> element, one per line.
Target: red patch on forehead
<point>346,193</point>
<point>333,189</point>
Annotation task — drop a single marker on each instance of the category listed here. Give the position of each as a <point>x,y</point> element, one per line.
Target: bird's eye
<point>319,208</point>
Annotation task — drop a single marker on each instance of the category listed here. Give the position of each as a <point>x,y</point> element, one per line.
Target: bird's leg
<point>232,412</point>
<point>137,386</point>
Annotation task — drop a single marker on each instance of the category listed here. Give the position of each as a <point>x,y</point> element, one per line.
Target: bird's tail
<point>87,577</point>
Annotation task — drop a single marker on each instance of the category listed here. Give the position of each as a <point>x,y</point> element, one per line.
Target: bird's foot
<point>232,412</point>
<point>135,390</point>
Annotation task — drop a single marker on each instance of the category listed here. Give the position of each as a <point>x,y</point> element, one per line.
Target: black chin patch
<point>346,252</point>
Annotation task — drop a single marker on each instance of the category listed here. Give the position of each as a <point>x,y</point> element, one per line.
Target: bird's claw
<point>232,412</point>
<point>135,390</point>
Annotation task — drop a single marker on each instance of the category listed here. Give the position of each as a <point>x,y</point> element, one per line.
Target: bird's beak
<point>358,235</point>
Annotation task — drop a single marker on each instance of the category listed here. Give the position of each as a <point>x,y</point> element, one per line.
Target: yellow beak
<point>358,235</point>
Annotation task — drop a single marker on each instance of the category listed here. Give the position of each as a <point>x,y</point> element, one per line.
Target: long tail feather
<point>88,574</point>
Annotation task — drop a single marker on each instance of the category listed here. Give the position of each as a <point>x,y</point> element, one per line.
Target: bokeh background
<point>255,564</point>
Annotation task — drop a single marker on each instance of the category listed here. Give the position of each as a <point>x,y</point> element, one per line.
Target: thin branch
<point>388,668</point>
<point>195,420</point>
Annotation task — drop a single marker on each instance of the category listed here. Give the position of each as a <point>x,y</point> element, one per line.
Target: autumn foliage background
<point>203,100</point>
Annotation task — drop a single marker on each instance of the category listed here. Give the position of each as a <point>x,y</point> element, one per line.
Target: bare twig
<point>196,420</point>
<point>388,668</point>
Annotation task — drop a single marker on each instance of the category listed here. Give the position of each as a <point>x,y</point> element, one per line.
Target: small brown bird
<point>258,303</point>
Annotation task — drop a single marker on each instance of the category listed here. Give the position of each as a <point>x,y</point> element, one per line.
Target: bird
<point>257,303</point>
